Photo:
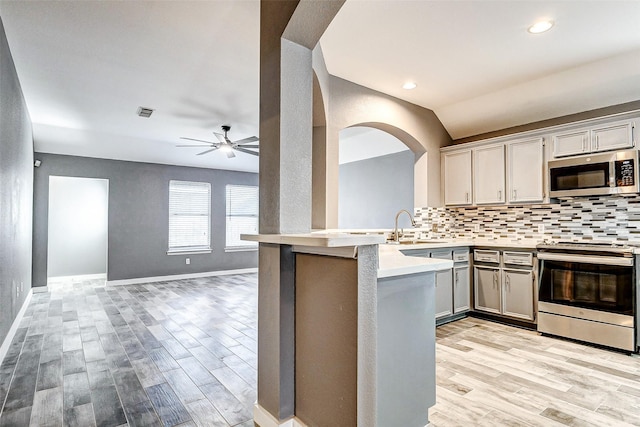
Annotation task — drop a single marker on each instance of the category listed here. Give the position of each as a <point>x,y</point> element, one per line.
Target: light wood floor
<point>183,353</point>
<point>490,374</point>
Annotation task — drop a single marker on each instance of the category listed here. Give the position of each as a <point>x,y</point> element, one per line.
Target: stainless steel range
<point>588,292</point>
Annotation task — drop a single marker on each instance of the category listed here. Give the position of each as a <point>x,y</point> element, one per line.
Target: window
<point>242,215</point>
<point>189,216</point>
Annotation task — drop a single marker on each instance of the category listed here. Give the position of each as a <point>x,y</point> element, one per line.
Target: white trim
<point>179,277</point>
<point>264,419</point>
<point>241,248</point>
<point>4,348</point>
<point>40,289</point>
<point>188,251</point>
<point>79,277</point>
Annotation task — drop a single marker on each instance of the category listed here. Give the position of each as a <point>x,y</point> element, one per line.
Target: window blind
<point>189,215</point>
<point>242,214</point>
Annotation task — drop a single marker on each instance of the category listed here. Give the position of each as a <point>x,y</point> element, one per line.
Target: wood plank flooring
<point>183,353</point>
<point>179,353</point>
<point>489,374</point>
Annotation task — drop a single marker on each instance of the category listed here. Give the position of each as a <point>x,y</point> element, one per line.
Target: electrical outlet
<point>187,261</point>
<point>476,228</point>
<point>540,228</point>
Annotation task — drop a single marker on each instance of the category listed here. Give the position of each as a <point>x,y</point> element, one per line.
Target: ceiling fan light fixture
<point>226,148</point>
<point>541,26</point>
<point>409,85</point>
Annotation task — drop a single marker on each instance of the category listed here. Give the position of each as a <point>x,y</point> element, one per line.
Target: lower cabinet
<point>453,287</point>
<point>504,283</point>
<point>518,289</point>
<point>486,283</point>
<point>444,294</point>
<point>461,289</point>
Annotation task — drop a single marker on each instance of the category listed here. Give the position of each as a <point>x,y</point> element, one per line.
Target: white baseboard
<point>77,278</point>
<point>264,419</point>
<point>4,348</point>
<point>179,277</point>
<point>40,289</point>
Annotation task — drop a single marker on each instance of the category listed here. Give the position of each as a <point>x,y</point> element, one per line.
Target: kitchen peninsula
<point>364,335</point>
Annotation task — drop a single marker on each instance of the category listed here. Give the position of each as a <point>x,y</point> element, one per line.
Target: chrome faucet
<point>396,235</point>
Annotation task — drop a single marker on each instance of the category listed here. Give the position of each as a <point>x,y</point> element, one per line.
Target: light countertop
<point>325,240</point>
<point>392,262</point>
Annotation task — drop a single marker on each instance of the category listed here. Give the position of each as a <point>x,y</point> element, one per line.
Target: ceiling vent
<point>145,112</point>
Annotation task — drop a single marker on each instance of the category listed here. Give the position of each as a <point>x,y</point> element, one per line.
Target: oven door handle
<point>586,259</point>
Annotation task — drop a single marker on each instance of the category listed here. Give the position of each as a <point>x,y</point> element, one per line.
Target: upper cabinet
<point>488,174</point>
<point>512,169</point>
<point>590,139</point>
<point>525,171</point>
<point>456,167</point>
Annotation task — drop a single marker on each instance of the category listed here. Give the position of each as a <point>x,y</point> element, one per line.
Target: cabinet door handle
<point>457,272</point>
<point>495,279</point>
<point>515,194</point>
<point>584,141</point>
<point>499,194</point>
<point>508,280</point>
<point>466,196</point>
<point>596,142</point>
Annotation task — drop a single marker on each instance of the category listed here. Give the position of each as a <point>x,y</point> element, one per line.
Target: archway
<point>376,179</point>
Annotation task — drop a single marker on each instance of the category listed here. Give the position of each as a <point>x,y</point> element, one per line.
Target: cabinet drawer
<point>442,254</point>
<point>517,258</point>
<point>486,256</point>
<point>461,255</point>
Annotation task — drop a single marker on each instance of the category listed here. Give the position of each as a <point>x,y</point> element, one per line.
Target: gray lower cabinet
<point>453,288</point>
<point>486,283</point>
<point>504,283</point>
<point>444,294</point>
<point>461,291</point>
<point>518,293</point>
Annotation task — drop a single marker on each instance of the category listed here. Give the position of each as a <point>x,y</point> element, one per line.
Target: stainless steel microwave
<point>594,174</point>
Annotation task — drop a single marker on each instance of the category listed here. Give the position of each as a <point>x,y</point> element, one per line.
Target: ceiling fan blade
<point>246,140</point>
<point>199,140</point>
<point>250,146</point>
<point>220,137</point>
<point>231,154</point>
<point>207,151</point>
<point>247,151</point>
<point>193,145</point>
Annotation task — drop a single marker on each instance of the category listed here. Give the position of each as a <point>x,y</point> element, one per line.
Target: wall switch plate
<point>476,228</point>
<point>540,228</point>
<point>187,261</point>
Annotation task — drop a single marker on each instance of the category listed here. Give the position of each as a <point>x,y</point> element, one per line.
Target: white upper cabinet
<point>595,138</point>
<point>525,171</point>
<point>488,175</point>
<point>571,143</point>
<point>614,136</point>
<point>457,177</point>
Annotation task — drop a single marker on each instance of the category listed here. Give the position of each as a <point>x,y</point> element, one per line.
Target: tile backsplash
<point>605,218</point>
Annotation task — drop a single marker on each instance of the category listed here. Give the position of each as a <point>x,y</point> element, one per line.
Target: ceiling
<point>86,66</point>
<point>478,68</point>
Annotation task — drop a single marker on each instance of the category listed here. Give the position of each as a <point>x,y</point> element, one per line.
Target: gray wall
<point>16,191</point>
<point>138,216</point>
<point>372,191</point>
<point>78,219</point>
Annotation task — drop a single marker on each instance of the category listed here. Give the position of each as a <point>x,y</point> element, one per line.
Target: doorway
<point>78,225</point>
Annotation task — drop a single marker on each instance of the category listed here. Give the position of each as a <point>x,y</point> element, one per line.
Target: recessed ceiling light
<point>540,27</point>
<point>409,85</point>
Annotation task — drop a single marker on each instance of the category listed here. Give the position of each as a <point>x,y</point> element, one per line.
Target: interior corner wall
<point>16,192</point>
<point>351,104</point>
<point>138,216</point>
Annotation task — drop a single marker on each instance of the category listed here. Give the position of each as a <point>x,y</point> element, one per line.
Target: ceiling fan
<point>225,144</point>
